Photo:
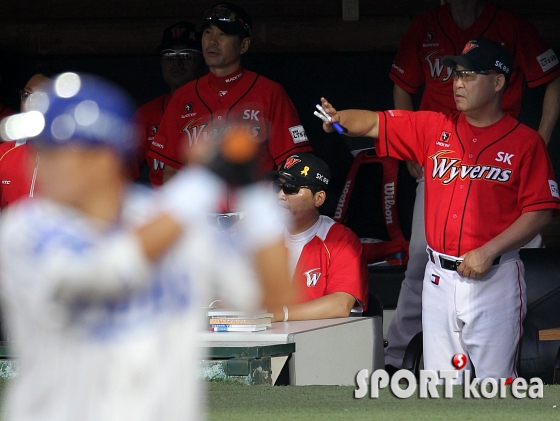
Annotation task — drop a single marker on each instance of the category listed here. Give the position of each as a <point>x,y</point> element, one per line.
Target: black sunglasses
<point>287,188</point>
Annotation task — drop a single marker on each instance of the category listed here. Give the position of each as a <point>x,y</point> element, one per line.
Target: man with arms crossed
<point>329,274</point>
<point>489,189</point>
<point>437,33</point>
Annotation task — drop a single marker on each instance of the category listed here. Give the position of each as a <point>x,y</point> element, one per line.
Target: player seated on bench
<point>329,274</point>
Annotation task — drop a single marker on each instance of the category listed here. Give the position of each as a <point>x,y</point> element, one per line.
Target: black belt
<point>225,220</point>
<point>451,263</point>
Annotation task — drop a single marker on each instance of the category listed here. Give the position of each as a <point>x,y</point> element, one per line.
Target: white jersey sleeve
<point>59,256</point>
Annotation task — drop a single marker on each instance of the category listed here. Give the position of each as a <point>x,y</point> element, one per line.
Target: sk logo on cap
<point>291,161</point>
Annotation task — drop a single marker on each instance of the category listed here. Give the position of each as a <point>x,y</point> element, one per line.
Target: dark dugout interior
<point>348,80</point>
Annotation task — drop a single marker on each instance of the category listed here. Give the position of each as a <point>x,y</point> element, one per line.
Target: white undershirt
<point>295,242</point>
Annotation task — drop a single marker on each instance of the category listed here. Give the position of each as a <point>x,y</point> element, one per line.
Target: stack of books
<point>224,320</point>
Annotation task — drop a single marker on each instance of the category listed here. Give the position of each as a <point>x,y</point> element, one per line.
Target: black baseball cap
<point>482,54</point>
<point>181,33</point>
<point>230,18</point>
<point>302,169</point>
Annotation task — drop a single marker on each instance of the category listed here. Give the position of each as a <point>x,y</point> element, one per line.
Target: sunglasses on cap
<point>287,188</point>
<point>225,15</point>
<point>470,75</point>
<point>188,55</point>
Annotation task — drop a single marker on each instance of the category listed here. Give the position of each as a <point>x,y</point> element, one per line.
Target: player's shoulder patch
<point>547,60</point>
<point>395,113</point>
<point>554,188</point>
<point>298,134</point>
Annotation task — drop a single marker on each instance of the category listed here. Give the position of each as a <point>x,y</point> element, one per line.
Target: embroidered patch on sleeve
<point>298,134</point>
<point>547,60</point>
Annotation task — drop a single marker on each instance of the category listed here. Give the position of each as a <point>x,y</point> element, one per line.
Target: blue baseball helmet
<point>83,109</point>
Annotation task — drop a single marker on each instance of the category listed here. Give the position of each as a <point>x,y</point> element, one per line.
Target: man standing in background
<point>229,96</point>
<point>181,61</point>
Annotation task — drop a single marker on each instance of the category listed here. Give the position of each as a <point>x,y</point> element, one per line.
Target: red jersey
<point>329,259</point>
<point>6,146</point>
<point>254,103</point>
<point>478,180</point>
<point>434,35</point>
<point>15,180</point>
<point>148,118</point>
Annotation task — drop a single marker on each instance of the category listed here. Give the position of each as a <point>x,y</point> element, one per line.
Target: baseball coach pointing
<point>490,189</point>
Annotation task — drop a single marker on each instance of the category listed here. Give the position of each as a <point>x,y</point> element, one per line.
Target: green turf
<point>264,403</point>
<point>237,402</point>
